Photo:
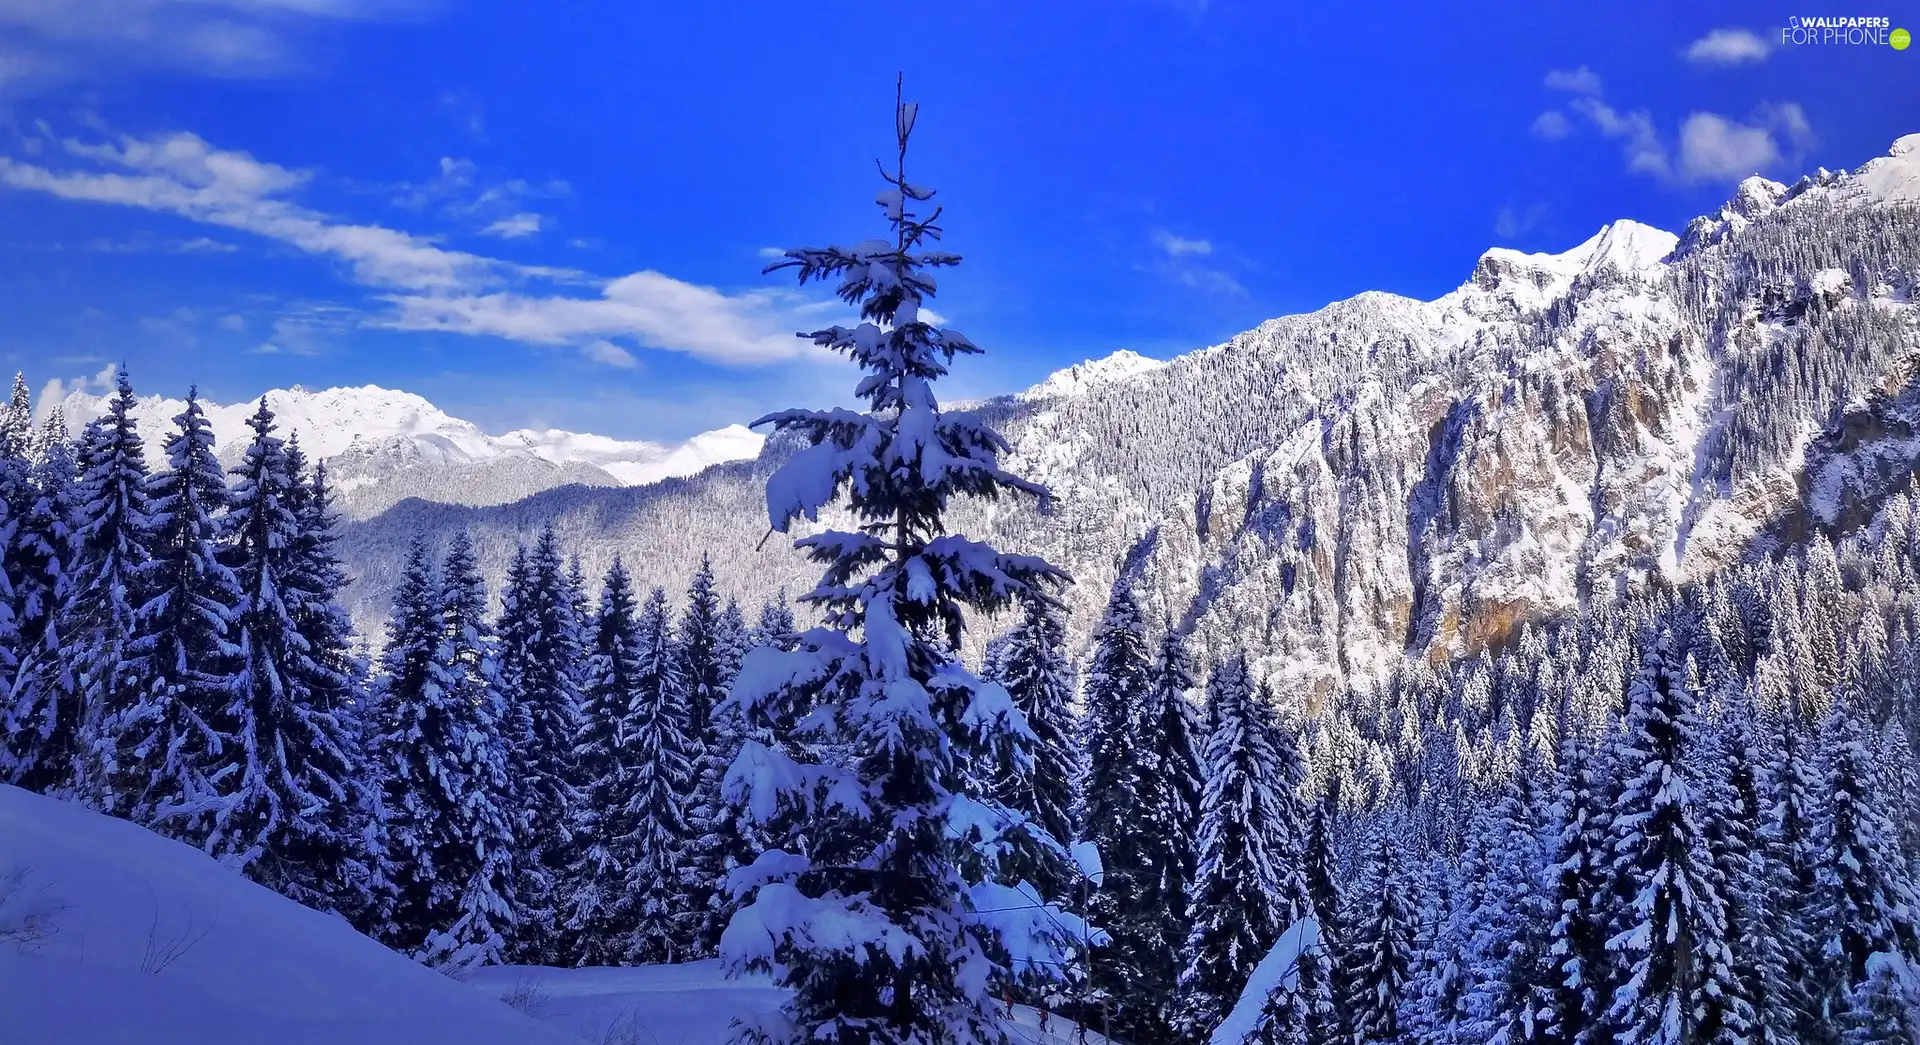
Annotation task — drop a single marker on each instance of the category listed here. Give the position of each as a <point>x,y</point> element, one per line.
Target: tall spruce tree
<point>599,912</point>
<point>180,652</point>
<point>1240,900</point>
<point>1171,779</point>
<point>289,777</point>
<point>1040,785</point>
<point>40,727</point>
<point>541,665</point>
<point>475,834</point>
<point>1378,956</point>
<point>656,849</point>
<point>1112,815</point>
<point>111,544</point>
<point>1864,893</point>
<point>918,946</point>
<point>723,837</point>
<point>404,741</point>
<point>1577,878</point>
<point>1677,978</point>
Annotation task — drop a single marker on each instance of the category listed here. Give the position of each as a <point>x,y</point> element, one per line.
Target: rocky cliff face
<point>1388,477</point>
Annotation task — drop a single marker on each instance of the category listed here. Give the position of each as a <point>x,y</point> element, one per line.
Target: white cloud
<point>1552,125</point>
<point>1640,144</point>
<point>602,351</point>
<point>1178,246</point>
<point>1574,81</point>
<point>44,42</point>
<point>429,286</point>
<point>517,226</point>
<point>654,309</point>
<point>1728,47</point>
<point>1714,147</point>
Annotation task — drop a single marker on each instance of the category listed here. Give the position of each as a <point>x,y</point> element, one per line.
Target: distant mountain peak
<point>386,444</point>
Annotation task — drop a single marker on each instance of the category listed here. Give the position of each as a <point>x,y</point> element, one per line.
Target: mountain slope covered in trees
<point>1389,475</point>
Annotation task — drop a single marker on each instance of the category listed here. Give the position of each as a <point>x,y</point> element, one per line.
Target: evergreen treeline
<point>536,785</point>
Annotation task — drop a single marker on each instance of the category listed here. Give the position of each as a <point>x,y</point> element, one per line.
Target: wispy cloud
<point>1640,143</point>
<point>1709,146</point>
<point>45,42</point>
<point>1728,47</point>
<point>1574,81</point>
<point>1179,246</point>
<point>428,286</point>
<point>1552,125</point>
<point>610,354</point>
<point>652,308</point>
<point>1513,222</point>
<point>1180,261</point>
<point>517,226</point>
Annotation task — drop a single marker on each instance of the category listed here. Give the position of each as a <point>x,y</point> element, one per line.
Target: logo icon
<point>1900,39</point>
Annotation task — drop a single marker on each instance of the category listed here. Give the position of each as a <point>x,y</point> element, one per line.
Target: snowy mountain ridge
<point>383,445</point>
<point>1387,477</point>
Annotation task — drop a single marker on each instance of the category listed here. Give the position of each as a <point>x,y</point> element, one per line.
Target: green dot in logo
<point>1900,39</point>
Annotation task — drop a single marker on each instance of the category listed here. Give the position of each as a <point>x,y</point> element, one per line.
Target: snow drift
<point>149,941</point>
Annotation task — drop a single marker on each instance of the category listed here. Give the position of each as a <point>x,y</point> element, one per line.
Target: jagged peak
<point>1625,246</point>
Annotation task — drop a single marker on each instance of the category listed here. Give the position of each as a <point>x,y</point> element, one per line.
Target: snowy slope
<point>384,445</point>
<point>249,966</point>
<point>1388,477</point>
<point>690,1004</point>
<point>150,942</point>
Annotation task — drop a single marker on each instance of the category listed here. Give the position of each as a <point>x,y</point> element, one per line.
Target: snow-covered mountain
<point>382,446</point>
<point>1386,476</point>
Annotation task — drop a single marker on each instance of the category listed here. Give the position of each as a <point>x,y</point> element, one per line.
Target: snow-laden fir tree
<point>1864,892</point>
<point>1039,785</point>
<point>541,664</point>
<point>476,859</point>
<point>1171,779</point>
<point>775,629</point>
<point>599,911</point>
<point>1677,979</point>
<point>1512,974</point>
<point>403,746</point>
<point>39,726</point>
<point>655,849</point>
<point>724,838</point>
<point>16,492</point>
<point>1884,1007</point>
<point>180,652</point>
<point>112,541</point>
<point>1577,878</point>
<point>1249,853</point>
<point>1378,956</point>
<point>16,420</point>
<point>289,777</point>
<point>874,928</point>
<point>1118,679</point>
<point>1788,837</point>
<point>703,670</point>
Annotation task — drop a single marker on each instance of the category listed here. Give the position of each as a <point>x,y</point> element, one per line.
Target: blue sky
<point>555,214</point>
